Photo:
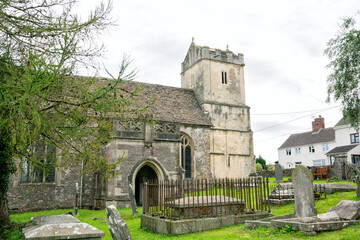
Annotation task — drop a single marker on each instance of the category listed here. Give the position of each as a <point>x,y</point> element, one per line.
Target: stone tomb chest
<point>60,227</point>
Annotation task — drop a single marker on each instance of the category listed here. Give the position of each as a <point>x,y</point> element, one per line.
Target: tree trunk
<point>4,212</point>
<point>7,168</point>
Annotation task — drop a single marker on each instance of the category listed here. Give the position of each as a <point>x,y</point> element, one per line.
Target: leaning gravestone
<point>303,192</point>
<point>117,226</point>
<point>347,209</point>
<point>132,200</point>
<point>278,173</point>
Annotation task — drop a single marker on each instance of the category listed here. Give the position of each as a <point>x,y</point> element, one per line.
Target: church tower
<point>217,78</point>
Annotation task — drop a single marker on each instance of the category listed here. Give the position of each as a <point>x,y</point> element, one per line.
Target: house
<point>347,144</point>
<point>308,148</point>
<point>321,146</point>
<point>202,130</point>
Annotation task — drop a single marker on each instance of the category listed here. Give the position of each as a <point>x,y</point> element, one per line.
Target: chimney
<point>318,124</point>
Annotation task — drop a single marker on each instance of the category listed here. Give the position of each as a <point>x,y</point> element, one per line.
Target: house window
<point>297,163</point>
<point>311,149</point>
<point>318,163</point>
<point>224,77</point>
<point>39,164</point>
<point>332,160</point>
<point>325,147</point>
<point>355,159</point>
<point>297,151</point>
<point>288,152</point>
<point>354,138</point>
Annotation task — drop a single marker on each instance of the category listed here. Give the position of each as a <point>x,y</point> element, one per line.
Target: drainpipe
<point>81,183</point>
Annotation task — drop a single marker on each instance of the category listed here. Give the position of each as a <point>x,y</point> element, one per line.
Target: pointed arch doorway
<point>145,174</point>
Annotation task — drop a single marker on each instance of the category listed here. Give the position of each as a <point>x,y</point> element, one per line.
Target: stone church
<point>202,130</point>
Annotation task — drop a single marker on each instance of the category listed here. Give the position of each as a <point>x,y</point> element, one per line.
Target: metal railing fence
<point>195,198</point>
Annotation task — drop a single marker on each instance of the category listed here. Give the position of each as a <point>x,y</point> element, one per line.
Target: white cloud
<point>283,43</point>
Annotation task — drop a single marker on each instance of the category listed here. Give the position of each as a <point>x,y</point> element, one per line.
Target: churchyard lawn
<point>98,219</point>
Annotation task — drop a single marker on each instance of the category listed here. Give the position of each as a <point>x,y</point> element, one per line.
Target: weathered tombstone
<point>132,200</point>
<point>60,227</point>
<point>330,216</point>
<point>76,199</point>
<point>117,226</point>
<point>347,209</point>
<point>303,192</point>
<point>278,173</point>
<point>357,181</point>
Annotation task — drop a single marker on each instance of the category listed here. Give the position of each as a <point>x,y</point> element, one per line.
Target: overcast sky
<point>282,43</point>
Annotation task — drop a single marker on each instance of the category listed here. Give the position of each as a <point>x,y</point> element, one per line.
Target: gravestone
<point>117,226</point>
<point>60,227</point>
<point>347,209</point>
<point>303,192</point>
<point>357,181</point>
<point>132,200</point>
<point>278,173</point>
<point>76,199</point>
<point>330,216</point>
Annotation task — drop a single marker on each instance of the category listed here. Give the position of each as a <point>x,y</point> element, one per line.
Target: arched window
<point>186,155</point>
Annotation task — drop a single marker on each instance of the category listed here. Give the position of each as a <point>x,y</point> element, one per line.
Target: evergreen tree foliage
<point>261,161</point>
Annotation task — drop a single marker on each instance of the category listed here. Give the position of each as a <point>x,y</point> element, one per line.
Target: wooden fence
<point>195,198</point>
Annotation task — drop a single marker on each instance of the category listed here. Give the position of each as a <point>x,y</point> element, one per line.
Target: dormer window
<point>224,77</point>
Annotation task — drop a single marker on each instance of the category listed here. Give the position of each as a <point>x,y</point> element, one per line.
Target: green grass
<point>97,218</point>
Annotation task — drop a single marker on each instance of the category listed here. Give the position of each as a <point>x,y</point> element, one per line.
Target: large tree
<point>42,45</point>
<point>343,83</point>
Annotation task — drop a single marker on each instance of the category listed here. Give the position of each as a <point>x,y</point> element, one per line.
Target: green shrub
<point>13,231</point>
<point>259,167</point>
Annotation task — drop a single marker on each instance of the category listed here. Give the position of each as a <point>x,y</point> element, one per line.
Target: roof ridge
<point>312,131</point>
<point>138,82</point>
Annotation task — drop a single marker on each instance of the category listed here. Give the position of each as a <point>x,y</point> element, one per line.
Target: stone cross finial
<point>192,39</point>
<point>227,47</point>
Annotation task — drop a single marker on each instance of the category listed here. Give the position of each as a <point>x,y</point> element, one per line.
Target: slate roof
<point>305,138</point>
<point>341,122</point>
<point>342,149</point>
<point>171,104</point>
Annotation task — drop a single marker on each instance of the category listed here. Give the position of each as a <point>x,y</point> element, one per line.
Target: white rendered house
<point>308,148</point>
<point>347,143</point>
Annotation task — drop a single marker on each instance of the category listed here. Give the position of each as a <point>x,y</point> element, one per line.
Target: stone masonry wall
<point>161,156</point>
<point>24,197</point>
<point>201,151</point>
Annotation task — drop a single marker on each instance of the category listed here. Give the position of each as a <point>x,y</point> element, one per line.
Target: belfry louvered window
<point>223,77</point>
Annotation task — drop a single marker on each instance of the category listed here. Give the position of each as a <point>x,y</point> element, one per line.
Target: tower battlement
<point>197,53</point>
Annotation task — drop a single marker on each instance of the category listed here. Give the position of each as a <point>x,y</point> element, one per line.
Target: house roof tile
<point>305,138</point>
<point>342,149</point>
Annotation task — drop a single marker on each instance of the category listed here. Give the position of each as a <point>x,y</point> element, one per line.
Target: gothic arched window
<point>186,155</point>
